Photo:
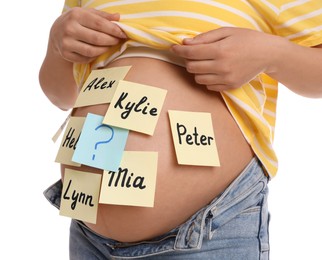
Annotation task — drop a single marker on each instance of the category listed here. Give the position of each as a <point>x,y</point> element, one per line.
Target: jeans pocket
<point>244,225</point>
<point>264,234</point>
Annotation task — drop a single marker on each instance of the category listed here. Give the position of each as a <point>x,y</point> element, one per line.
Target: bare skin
<point>176,185</point>
<point>81,35</point>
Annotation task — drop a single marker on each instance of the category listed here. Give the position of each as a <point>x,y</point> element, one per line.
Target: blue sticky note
<point>100,145</point>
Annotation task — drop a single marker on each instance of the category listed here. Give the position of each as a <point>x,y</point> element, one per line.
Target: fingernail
<point>187,40</point>
<point>123,35</point>
<point>173,47</point>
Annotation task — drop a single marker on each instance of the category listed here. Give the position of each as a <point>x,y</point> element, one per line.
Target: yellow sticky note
<point>80,195</point>
<point>135,107</point>
<point>134,182</point>
<point>69,141</point>
<point>61,128</point>
<point>194,138</point>
<point>100,86</point>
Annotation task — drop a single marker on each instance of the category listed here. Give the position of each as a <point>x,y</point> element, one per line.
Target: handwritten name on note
<point>80,195</point>
<point>133,183</point>
<point>194,139</point>
<point>122,178</point>
<point>69,141</point>
<point>142,106</point>
<point>133,103</point>
<point>77,197</point>
<point>100,86</point>
<point>99,83</point>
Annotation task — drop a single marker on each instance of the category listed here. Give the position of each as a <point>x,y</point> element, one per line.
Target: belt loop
<point>190,235</point>
<point>209,218</point>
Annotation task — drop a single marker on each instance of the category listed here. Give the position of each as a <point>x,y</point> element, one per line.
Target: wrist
<point>276,54</point>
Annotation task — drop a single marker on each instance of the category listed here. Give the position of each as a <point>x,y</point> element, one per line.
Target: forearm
<point>57,81</point>
<point>298,68</point>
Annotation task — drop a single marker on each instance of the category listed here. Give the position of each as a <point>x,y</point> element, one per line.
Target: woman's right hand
<point>80,35</point>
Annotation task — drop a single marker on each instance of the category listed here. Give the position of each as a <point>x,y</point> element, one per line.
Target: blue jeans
<point>233,226</point>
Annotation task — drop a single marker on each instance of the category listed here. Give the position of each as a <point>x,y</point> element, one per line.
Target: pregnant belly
<point>181,190</point>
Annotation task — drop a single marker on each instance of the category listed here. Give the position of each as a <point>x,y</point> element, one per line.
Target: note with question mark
<point>109,138</point>
<point>100,145</point>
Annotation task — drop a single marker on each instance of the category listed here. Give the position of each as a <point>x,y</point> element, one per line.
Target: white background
<point>32,229</point>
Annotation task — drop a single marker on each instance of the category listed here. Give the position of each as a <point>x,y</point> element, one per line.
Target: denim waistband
<point>241,194</point>
<point>53,193</point>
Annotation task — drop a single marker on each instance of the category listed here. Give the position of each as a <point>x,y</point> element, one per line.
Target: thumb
<point>209,37</point>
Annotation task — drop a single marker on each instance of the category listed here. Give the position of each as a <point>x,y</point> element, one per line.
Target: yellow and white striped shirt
<point>158,24</point>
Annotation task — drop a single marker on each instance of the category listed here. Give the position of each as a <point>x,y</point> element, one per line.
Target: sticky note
<point>69,141</point>
<point>100,86</point>
<point>61,128</point>
<point>80,195</point>
<point>136,107</point>
<point>133,183</point>
<point>100,145</point>
<point>193,138</point>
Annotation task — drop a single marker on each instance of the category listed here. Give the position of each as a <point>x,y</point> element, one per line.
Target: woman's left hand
<point>228,57</point>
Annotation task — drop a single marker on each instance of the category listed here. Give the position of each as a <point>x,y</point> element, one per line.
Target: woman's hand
<point>227,58</point>
<point>80,35</point>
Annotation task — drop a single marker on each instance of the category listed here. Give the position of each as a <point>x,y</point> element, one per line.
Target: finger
<point>96,38</point>
<point>193,52</point>
<point>218,88</point>
<point>208,79</point>
<point>210,36</point>
<point>101,23</point>
<point>77,58</point>
<point>86,50</point>
<point>202,66</point>
<point>214,82</point>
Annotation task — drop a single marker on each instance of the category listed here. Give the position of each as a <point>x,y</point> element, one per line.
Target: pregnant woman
<point>220,57</point>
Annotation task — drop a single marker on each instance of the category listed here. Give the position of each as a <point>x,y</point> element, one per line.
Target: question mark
<point>105,141</point>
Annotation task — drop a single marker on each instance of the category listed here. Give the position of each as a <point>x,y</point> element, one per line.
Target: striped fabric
<point>158,24</point>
